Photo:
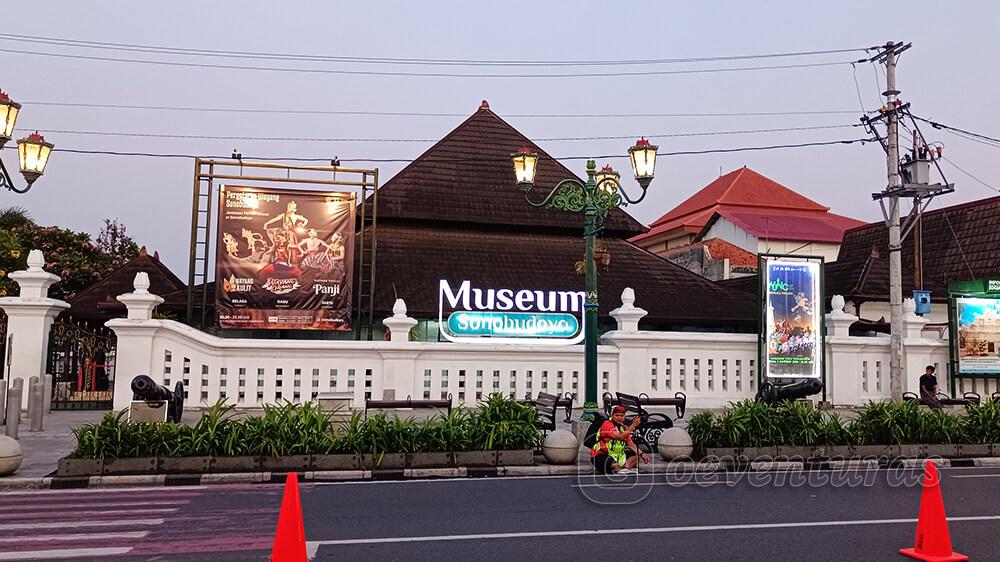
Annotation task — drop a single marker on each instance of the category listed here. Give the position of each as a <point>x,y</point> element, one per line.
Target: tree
<point>68,254</point>
<point>114,240</point>
<point>13,217</point>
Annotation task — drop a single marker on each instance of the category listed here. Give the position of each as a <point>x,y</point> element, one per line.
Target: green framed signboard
<point>974,328</point>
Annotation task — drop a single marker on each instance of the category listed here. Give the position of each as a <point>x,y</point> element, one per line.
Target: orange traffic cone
<point>290,537</point>
<point>933,543</point>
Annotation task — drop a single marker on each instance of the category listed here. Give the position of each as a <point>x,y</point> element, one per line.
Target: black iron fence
<point>81,360</point>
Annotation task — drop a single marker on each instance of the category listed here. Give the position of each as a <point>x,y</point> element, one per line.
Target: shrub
<point>303,429</point>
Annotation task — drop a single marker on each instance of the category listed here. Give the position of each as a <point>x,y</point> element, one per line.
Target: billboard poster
<point>284,259</point>
<point>978,335</point>
<point>793,330</point>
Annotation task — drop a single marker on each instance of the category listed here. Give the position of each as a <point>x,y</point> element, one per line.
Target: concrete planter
<point>561,447</point>
<point>837,451</point>
<point>524,457</point>
<point>11,455</point>
<point>140,465</point>
<point>674,443</point>
<point>235,464</point>
<point>786,452</point>
<point>941,450</point>
<point>996,449</point>
<point>975,450</point>
<point>912,451</point>
<point>720,453</point>
<point>387,461</point>
<point>869,451</point>
<point>475,458</point>
<point>430,460</point>
<point>80,467</point>
<point>289,463</point>
<point>185,465</point>
<point>335,462</point>
<point>760,453</point>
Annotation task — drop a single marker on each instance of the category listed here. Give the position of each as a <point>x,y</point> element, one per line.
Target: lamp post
<point>32,151</point>
<point>601,193</point>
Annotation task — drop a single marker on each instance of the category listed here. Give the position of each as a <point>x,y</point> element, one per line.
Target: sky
<point>945,75</point>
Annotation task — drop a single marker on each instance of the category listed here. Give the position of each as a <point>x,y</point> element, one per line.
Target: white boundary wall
<point>712,369</point>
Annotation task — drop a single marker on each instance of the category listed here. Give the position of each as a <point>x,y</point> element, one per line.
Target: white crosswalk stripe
<point>90,526</point>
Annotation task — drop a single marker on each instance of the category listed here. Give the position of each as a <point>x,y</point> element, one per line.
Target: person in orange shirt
<point>615,451</point>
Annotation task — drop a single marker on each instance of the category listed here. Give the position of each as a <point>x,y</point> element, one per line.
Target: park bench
<point>408,403</point>
<point>647,433</point>
<point>968,398</point>
<point>678,401</point>
<point>546,406</point>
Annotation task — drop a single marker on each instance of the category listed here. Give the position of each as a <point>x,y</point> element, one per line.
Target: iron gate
<point>81,361</point>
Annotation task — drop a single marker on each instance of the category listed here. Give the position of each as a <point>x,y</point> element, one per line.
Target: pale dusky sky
<point>949,76</point>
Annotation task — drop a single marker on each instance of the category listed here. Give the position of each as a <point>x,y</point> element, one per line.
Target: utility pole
<point>895,240</point>
<point>913,182</point>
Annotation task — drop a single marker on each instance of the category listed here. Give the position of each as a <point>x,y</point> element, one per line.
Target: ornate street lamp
<point>32,151</point>
<point>601,193</point>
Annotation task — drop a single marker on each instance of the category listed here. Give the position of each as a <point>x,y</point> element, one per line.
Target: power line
<point>423,74</point>
<point>159,49</point>
<point>937,125</point>
<point>967,173</point>
<point>434,114</point>
<point>404,140</point>
<point>469,159</point>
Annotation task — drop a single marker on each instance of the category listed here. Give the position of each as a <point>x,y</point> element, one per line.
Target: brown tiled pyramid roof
<point>413,259</point>
<point>467,176</point>
<point>959,242</point>
<point>98,302</point>
<point>455,213</point>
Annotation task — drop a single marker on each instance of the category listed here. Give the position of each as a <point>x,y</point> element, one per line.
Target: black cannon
<point>146,389</point>
<point>770,393</point>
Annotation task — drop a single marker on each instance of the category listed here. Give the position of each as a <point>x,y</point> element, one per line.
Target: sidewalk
<point>43,449</point>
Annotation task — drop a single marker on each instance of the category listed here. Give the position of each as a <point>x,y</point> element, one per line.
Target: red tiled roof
<point>738,190</point>
<point>781,224</point>
<point>721,249</point>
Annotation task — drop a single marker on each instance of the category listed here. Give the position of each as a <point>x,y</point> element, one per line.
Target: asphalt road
<point>856,516</point>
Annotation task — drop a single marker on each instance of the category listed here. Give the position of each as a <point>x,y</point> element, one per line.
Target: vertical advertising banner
<point>284,259</point>
<point>978,335</point>
<point>793,331</point>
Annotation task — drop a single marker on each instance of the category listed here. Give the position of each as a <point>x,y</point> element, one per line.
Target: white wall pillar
<point>633,354</point>
<point>29,319</point>
<point>399,323</point>
<point>399,363</point>
<point>134,355</point>
<point>842,378</point>
<point>628,315</point>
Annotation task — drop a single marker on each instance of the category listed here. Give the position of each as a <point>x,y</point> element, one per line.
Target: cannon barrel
<point>145,388</point>
<point>773,394</point>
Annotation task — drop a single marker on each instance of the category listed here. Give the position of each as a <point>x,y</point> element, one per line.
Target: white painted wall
<point>827,250</point>
<point>725,229</point>
<point>712,369</point>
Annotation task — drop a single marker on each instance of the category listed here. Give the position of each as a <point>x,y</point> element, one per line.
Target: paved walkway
<point>43,449</point>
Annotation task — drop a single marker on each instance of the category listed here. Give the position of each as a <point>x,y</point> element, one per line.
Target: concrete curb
<point>9,484</point>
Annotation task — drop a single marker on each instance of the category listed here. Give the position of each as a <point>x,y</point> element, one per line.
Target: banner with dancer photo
<point>793,311</point>
<point>284,259</point>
